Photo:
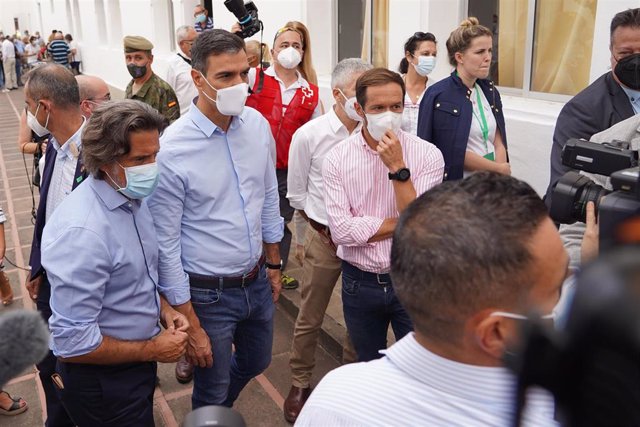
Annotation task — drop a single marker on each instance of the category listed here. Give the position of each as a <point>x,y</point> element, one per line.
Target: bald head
<point>59,36</point>
<point>93,92</point>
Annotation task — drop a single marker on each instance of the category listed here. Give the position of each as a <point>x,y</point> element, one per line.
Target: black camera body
<point>247,14</point>
<point>573,191</point>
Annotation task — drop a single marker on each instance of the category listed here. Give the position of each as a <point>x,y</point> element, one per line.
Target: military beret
<point>136,43</point>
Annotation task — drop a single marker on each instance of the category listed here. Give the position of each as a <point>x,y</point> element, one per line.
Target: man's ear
<point>360,110</point>
<point>492,333</point>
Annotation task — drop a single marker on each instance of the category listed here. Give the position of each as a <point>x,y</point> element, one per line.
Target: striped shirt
<point>3,218</point>
<point>59,51</point>
<point>412,386</point>
<point>359,195</point>
<point>208,26</point>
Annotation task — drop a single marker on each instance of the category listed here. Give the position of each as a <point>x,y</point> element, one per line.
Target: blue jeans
<point>239,316</point>
<point>369,306</point>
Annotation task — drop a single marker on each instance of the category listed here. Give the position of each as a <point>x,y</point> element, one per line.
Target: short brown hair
<point>376,77</point>
<point>462,247</point>
<point>460,38</point>
<point>627,18</point>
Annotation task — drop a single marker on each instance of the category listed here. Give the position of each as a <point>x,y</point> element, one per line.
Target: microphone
<point>24,341</point>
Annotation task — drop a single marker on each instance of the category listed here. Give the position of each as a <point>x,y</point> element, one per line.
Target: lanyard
<point>482,121</point>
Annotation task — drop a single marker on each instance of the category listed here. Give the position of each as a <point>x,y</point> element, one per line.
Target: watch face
<point>404,174</point>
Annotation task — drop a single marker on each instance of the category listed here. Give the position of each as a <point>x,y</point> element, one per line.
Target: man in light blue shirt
<point>217,217</point>
<point>101,257</point>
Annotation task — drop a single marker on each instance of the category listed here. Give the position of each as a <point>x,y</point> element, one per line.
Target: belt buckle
<point>379,282</point>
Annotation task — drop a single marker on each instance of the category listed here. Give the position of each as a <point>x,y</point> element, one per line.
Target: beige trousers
<point>321,271</point>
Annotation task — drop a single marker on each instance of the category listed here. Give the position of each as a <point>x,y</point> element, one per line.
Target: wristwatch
<point>401,175</point>
<point>273,266</point>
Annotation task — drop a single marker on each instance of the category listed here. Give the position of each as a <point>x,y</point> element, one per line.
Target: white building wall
<point>99,26</point>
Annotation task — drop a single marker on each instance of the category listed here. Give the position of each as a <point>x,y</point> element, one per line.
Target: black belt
<point>383,279</point>
<point>214,282</point>
<point>320,228</point>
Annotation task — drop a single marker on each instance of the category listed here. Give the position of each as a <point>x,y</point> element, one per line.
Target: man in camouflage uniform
<point>146,86</point>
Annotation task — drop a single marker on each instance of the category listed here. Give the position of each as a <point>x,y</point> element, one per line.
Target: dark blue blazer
<point>49,162</point>
<point>445,118</point>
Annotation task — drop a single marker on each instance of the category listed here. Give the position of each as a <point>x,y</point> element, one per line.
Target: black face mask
<point>628,71</point>
<point>137,71</point>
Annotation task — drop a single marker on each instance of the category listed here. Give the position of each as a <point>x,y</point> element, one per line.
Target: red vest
<point>299,111</point>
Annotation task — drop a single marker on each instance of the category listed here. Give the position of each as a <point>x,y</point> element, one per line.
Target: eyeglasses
<point>105,98</point>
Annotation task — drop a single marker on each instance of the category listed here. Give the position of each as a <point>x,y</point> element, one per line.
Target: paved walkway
<point>260,403</point>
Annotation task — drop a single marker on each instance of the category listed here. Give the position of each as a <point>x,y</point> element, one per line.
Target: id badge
<point>490,156</point>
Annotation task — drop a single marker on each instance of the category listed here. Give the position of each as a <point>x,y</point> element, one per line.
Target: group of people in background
<point>204,192</point>
<point>22,52</point>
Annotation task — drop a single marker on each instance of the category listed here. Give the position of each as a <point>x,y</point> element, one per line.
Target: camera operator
<point>616,93</point>
<point>469,259</point>
<point>580,239</point>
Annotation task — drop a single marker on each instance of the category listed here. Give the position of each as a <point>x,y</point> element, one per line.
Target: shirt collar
<point>476,383</point>
<point>205,125</point>
<point>111,198</point>
<point>633,95</point>
<point>301,82</point>
<point>71,148</point>
<point>336,124</point>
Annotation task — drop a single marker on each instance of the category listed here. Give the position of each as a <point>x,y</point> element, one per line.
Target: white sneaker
<point>5,91</point>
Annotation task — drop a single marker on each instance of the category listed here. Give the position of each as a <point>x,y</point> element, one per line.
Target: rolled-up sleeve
<point>299,166</point>
<point>272,222</point>
<point>78,266</point>
<point>166,205</point>
<point>432,171</point>
<point>346,229</point>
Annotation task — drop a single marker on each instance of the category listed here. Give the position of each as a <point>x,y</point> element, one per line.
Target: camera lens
<point>571,195</point>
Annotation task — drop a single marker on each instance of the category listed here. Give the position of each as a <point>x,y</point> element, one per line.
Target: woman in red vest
<point>287,96</point>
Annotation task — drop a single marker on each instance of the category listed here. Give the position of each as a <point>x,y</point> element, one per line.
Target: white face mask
<point>230,100</point>
<point>349,107</point>
<point>35,125</point>
<point>289,58</point>
<point>425,65</point>
<point>378,124</point>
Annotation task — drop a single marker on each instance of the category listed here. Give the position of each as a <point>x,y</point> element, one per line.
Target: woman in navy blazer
<point>462,114</point>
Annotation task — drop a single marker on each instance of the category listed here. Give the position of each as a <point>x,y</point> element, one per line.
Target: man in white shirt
<point>9,64</point>
<point>179,72</point>
<point>470,260</point>
<point>309,145</point>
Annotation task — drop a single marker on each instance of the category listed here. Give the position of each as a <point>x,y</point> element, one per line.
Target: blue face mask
<point>201,18</point>
<point>425,65</point>
<point>141,180</point>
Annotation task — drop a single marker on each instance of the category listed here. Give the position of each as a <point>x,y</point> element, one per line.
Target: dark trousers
<point>109,395</point>
<point>286,211</point>
<point>370,305</point>
<point>56,413</point>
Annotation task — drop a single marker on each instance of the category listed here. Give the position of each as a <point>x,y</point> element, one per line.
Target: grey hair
<point>344,72</point>
<point>181,32</point>
<point>212,43</point>
<point>106,135</point>
<point>55,83</point>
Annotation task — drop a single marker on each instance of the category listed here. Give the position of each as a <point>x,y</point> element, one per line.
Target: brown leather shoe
<point>6,294</point>
<point>294,402</point>
<point>184,371</point>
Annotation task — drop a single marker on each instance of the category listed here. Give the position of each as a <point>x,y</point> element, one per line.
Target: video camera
<point>247,14</point>
<point>613,207</point>
<point>591,365</point>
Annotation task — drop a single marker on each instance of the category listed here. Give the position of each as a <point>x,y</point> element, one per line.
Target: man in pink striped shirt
<point>368,180</point>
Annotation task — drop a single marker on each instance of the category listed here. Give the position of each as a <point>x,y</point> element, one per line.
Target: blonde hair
<point>253,48</point>
<point>460,39</point>
<point>306,66</point>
